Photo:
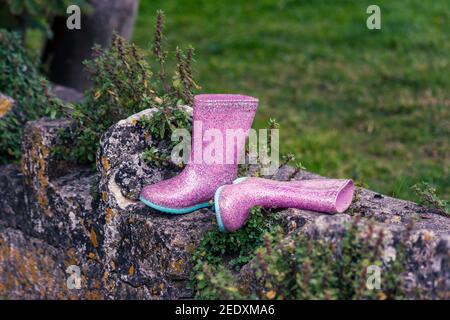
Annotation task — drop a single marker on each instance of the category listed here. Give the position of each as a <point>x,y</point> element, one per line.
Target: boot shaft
<point>323,195</point>
<point>233,202</point>
<point>221,123</point>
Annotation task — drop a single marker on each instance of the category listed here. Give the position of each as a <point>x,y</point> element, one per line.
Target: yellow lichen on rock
<point>93,237</point>
<point>131,271</point>
<point>5,105</point>
<point>38,167</point>
<point>71,257</point>
<point>105,278</point>
<point>177,265</point>
<point>93,295</point>
<point>109,215</point>
<point>105,164</point>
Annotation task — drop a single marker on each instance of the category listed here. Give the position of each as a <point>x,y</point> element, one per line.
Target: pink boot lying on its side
<point>233,202</point>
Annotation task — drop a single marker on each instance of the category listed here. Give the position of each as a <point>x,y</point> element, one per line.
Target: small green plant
<point>428,196</point>
<point>304,268</point>
<point>171,96</point>
<point>216,282</point>
<point>20,79</point>
<point>161,125</point>
<point>124,84</point>
<point>119,76</point>
<point>299,267</point>
<point>286,159</point>
<point>233,249</point>
<point>156,157</point>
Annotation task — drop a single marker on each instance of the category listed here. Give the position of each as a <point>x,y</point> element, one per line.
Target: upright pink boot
<point>194,187</point>
<point>233,202</point>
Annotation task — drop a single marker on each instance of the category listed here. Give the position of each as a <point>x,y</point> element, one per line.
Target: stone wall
<point>54,215</point>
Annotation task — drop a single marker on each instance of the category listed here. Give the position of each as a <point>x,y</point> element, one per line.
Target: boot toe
<point>154,194</point>
<point>167,196</point>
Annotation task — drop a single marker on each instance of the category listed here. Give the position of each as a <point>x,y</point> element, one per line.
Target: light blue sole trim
<point>175,211</point>
<point>217,210</point>
<point>239,180</point>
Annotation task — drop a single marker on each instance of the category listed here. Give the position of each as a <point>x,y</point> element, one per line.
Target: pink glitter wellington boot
<point>215,117</point>
<point>233,202</point>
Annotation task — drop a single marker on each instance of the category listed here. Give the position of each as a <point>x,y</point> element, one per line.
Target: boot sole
<point>175,210</point>
<point>217,207</point>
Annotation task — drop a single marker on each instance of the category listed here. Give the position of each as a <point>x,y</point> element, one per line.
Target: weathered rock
<point>30,268</point>
<point>13,211</point>
<point>120,160</point>
<point>392,211</point>
<point>58,195</point>
<point>142,246</point>
<point>60,211</point>
<point>148,249</point>
<point>66,94</point>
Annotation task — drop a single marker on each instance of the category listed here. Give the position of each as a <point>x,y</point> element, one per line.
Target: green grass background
<point>372,105</point>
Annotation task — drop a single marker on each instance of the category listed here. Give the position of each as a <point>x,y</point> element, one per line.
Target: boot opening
<point>224,98</point>
<point>345,196</point>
